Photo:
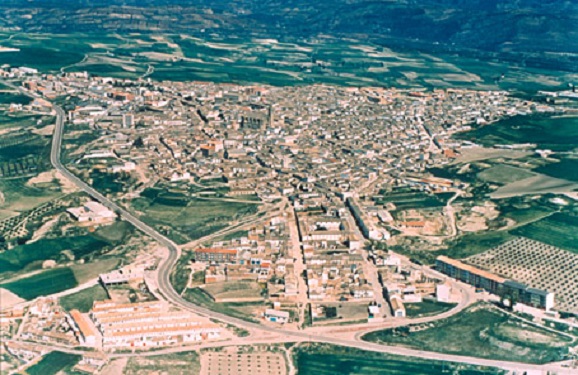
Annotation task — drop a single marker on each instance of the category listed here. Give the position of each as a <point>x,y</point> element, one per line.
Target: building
<point>276,316</point>
<point>148,324</point>
<point>83,328</point>
<point>397,307</point>
<point>216,255</point>
<point>509,289</point>
<point>93,212</point>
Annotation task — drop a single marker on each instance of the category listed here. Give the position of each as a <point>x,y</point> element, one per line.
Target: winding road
<point>273,334</point>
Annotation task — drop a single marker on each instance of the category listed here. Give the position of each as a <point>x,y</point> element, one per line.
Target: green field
<point>555,133</point>
<point>413,200</point>
<point>43,284</point>
<point>323,359</point>
<point>504,174</point>
<point>237,310</point>
<point>462,247</point>
<point>43,249</point>
<point>53,363</point>
<point>558,230</point>
<point>84,299</point>
<point>483,332</point>
<point>189,218</point>
<point>186,363</point>
<point>427,308</point>
<point>566,169</point>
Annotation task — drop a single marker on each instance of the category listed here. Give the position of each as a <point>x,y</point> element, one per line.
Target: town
<point>313,243</point>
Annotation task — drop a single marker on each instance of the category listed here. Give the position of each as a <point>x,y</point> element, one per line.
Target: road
<point>174,252</point>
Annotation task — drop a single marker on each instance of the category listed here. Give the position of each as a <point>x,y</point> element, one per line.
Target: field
<point>237,310</point>
<point>83,300</point>
<point>427,308</point>
<point>175,363</point>
<point>413,200</point>
<point>554,133</point>
<point>230,291</point>
<point>504,174</point>
<point>43,284</point>
<point>537,265</point>
<point>54,363</point>
<point>189,218</point>
<point>556,230</point>
<point>246,60</point>
<point>323,359</point>
<point>483,332</point>
<point>566,168</point>
<point>464,246</point>
<point>25,255</point>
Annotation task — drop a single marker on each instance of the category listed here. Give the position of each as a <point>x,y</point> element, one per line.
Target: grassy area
<point>115,233</point>
<point>199,297</point>
<point>413,200</point>
<point>504,174</point>
<point>186,363</point>
<point>180,274</point>
<point>88,271</point>
<point>83,300</point>
<point>19,197</point>
<point>484,332</point>
<point>189,218</point>
<point>427,308</point>
<point>557,134</point>
<point>324,359</point>
<point>43,284</point>
<point>566,168</point>
<point>54,363</point>
<point>556,230</point>
<point>231,290</point>
<point>43,249</point>
<point>462,247</point>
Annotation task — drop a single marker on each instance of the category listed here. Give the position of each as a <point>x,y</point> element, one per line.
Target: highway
<point>169,293</point>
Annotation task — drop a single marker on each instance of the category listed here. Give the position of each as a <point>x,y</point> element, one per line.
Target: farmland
<point>43,284</point>
<point>83,299</point>
<point>189,218</point>
<point>481,331</point>
<point>556,230</point>
<point>53,363</point>
<point>323,359</point>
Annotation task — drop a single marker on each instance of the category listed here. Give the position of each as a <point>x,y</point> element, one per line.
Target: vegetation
<point>556,230</point>
<point>83,299</point>
<point>199,297</point>
<point>54,363</point>
<point>324,359</point>
<point>483,332</point>
<point>427,308</point>
<point>185,363</point>
<point>43,284</point>
<point>43,249</point>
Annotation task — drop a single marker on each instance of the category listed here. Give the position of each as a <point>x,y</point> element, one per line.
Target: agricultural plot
<point>566,168</point>
<point>54,363</point>
<point>427,308</point>
<point>480,331</point>
<point>556,230</point>
<point>237,310</point>
<point>235,292</point>
<point>555,133</point>
<point>30,254</point>
<point>413,200</point>
<point>84,299</point>
<point>538,265</point>
<point>189,218</point>
<point>323,359</point>
<point>504,174</point>
<point>43,284</point>
<point>185,363</point>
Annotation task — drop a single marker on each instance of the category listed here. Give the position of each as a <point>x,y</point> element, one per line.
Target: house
<point>83,328</point>
<point>276,316</point>
<point>397,307</point>
<point>93,212</point>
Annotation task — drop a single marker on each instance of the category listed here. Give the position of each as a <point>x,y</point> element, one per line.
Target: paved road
<point>174,252</point>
